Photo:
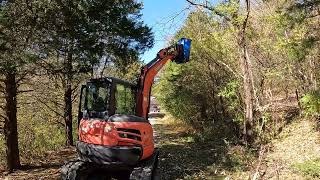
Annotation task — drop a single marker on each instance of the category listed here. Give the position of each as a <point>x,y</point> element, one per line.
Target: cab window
<point>97,97</point>
<point>125,100</point>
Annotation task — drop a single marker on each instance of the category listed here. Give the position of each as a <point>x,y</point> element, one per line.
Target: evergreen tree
<point>79,34</point>
<point>16,63</point>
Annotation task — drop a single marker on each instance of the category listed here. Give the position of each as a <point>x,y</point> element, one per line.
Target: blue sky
<point>165,17</point>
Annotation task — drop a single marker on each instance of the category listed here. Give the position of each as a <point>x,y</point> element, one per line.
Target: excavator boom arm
<point>178,53</point>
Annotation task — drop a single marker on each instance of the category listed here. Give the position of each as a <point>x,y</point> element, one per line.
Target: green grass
<point>309,168</point>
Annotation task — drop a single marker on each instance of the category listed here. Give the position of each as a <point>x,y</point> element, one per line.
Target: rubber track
<point>71,170</point>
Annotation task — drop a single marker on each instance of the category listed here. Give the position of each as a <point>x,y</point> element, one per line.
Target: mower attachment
<point>185,44</point>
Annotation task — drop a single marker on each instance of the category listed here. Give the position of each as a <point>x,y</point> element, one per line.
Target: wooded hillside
<point>254,70</point>
<point>280,59</point>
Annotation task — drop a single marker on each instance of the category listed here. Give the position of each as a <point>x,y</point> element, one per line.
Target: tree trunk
<point>224,115</point>
<point>10,125</point>
<point>68,100</point>
<point>313,73</point>
<point>246,68</point>
<point>213,82</point>
<point>248,97</point>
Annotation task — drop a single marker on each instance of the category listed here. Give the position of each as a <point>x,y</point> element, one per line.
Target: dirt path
<point>183,158</point>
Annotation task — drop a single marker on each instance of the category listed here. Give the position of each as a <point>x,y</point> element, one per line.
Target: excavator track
<point>148,169</point>
<point>75,170</point>
<point>82,170</point>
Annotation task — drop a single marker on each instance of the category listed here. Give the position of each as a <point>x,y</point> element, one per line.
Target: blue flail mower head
<point>186,44</point>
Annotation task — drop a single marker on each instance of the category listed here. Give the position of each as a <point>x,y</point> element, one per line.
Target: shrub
<point>310,168</point>
<point>311,103</point>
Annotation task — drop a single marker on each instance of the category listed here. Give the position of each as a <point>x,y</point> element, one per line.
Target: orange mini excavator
<point>115,136</point>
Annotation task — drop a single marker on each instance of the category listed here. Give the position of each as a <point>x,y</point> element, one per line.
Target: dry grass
<point>46,167</point>
<point>297,143</point>
<point>176,125</point>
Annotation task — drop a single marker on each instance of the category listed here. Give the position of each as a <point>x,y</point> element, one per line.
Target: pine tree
<point>79,34</point>
<point>16,61</point>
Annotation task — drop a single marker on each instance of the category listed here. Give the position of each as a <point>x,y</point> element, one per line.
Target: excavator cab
<point>105,97</point>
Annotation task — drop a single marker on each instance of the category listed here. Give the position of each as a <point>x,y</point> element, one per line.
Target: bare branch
<point>22,77</point>
<point>50,108</point>
<point>60,105</point>
<point>56,121</point>
<point>223,64</point>
<point>59,123</point>
<point>313,16</point>
<point>74,90</point>
<point>245,23</point>
<point>3,117</point>
<point>24,91</point>
<point>75,97</point>
<point>51,69</point>
<point>104,65</point>
<point>211,8</point>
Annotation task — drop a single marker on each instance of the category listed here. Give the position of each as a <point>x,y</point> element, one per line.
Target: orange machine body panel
<point>146,80</point>
<point>95,131</point>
